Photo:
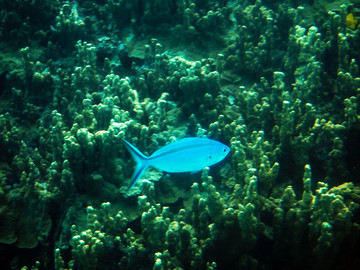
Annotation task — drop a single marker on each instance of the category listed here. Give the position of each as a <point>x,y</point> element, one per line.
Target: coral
<point>196,20</point>
<point>24,19</point>
<point>277,82</point>
<point>256,42</point>
<point>25,224</point>
<point>69,26</point>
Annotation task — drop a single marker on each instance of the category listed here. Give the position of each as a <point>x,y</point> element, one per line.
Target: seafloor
<point>277,81</point>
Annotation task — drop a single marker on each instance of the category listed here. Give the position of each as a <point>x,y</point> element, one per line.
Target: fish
<point>190,154</point>
<point>351,21</point>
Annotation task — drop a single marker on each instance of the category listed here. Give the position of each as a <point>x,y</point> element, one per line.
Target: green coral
<point>278,86</point>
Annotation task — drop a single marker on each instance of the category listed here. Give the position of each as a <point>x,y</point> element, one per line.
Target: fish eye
<point>209,157</point>
<point>225,150</point>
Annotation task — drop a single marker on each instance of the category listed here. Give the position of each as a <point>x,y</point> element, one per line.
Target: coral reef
<point>277,82</point>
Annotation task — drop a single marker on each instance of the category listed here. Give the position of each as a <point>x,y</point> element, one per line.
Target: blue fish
<point>185,155</point>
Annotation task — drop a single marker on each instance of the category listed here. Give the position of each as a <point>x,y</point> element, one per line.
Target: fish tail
<point>141,163</point>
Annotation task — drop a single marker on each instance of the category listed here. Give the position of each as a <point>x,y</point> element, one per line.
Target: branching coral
<point>291,120</point>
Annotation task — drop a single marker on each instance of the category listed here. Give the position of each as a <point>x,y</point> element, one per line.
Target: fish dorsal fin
<point>176,145</point>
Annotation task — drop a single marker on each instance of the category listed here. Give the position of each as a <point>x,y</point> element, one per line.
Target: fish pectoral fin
<point>193,172</point>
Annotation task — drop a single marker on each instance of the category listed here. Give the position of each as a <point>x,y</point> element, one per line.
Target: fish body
<point>186,155</point>
<point>351,21</point>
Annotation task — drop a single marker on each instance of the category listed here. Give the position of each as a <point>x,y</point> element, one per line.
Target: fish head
<point>217,153</point>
